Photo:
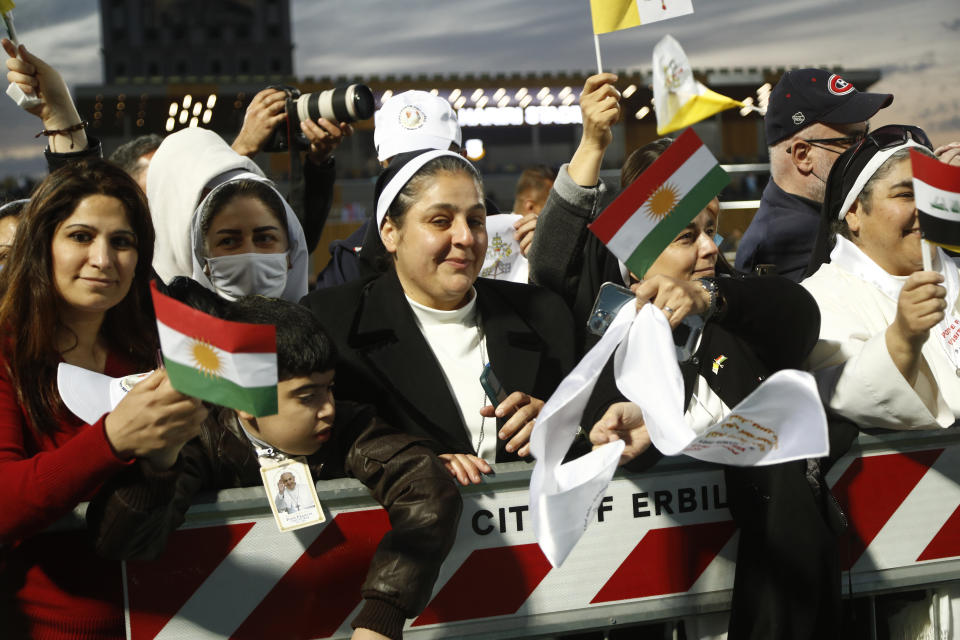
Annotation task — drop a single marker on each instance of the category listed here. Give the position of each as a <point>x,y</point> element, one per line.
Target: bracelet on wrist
<point>67,130</point>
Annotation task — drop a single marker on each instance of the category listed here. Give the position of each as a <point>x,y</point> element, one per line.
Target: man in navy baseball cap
<point>812,117</point>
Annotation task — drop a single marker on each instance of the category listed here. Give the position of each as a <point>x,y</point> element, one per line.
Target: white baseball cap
<point>413,121</point>
<point>90,395</point>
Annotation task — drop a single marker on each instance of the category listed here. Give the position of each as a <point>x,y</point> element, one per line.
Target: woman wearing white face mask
<point>247,241</point>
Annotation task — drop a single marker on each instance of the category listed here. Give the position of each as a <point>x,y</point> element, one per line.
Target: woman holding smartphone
<point>752,327</point>
<point>415,340</point>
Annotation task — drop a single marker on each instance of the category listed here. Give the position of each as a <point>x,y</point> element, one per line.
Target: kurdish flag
<point>231,364</point>
<point>936,190</point>
<point>648,215</point>
<point>613,15</point>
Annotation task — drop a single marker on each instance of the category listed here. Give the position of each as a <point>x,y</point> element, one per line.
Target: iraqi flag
<point>936,191</point>
<point>614,15</point>
<point>232,364</point>
<point>649,214</point>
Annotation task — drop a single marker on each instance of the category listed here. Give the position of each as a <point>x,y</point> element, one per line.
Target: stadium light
<point>477,95</point>
<point>642,112</point>
<point>629,91</point>
<point>475,150</point>
<point>499,93</point>
<point>520,94</point>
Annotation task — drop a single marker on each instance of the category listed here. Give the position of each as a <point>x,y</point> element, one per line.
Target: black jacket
<point>385,360</point>
<point>134,514</point>
<point>782,233</point>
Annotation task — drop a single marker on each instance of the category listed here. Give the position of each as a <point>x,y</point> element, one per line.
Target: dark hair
<point>411,191</point>
<point>303,346</point>
<point>245,188</point>
<point>641,159</point>
<point>127,156</point>
<point>536,181</point>
<point>29,316</point>
<point>13,208</point>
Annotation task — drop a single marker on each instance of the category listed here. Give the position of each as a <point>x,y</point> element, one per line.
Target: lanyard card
<point>292,494</point>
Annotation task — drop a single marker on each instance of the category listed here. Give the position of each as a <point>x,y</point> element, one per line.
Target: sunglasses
<point>892,135</point>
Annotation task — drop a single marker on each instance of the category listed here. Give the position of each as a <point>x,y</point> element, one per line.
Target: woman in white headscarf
<point>184,191</point>
<point>247,240</point>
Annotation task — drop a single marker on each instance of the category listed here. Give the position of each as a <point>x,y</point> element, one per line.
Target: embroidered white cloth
<point>782,420</point>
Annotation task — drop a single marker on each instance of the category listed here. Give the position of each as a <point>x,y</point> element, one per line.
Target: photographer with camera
<point>271,123</point>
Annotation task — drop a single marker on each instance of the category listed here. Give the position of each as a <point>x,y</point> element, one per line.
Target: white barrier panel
<point>662,547</point>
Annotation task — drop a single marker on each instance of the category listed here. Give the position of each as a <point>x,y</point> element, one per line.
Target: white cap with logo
<point>412,121</point>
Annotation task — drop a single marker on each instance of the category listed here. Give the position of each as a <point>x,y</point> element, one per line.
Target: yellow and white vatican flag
<point>678,98</point>
<point>232,364</point>
<point>614,15</point>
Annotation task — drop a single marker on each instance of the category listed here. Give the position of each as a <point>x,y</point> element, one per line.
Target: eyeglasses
<point>846,142</point>
<point>892,135</point>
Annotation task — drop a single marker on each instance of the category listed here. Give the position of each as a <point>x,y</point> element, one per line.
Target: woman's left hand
<point>676,298</point>
<point>525,409</point>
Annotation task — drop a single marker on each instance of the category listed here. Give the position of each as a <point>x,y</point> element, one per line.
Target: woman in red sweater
<point>75,289</point>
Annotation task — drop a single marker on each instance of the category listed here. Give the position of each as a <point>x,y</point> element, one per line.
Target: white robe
<point>855,372</point>
<point>859,380</point>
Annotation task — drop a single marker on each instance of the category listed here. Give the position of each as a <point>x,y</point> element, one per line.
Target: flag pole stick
<point>925,249</point>
<point>596,47</point>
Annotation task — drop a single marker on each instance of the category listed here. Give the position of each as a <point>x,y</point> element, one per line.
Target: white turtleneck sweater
<point>456,340</point>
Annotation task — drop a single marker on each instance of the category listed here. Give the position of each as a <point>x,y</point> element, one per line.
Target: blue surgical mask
<point>247,274</point>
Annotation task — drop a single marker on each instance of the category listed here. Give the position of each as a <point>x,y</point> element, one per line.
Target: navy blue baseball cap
<point>805,96</point>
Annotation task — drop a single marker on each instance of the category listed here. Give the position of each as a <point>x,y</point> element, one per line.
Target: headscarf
<point>402,169</point>
<point>296,285</point>
<point>850,173</point>
<point>186,163</point>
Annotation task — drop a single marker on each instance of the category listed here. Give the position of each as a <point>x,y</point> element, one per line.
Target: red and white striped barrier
<point>662,546</point>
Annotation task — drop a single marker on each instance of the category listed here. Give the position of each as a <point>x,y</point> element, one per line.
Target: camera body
<point>342,104</point>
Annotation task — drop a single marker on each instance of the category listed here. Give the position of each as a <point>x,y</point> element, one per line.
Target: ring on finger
<point>668,311</point>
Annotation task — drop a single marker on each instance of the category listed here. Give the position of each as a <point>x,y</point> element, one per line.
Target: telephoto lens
<point>343,104</point>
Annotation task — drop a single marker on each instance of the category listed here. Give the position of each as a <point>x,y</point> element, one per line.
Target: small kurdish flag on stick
<point>936,189</point>
<point>648,215</point>
<point>231,364</point>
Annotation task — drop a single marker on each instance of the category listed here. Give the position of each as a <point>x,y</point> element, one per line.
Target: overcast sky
<point>915,44</point>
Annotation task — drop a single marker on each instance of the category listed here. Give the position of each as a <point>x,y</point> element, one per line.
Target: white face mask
<point>246,274</point>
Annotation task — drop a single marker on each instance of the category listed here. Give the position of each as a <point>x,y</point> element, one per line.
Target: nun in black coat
<point>423,375</point>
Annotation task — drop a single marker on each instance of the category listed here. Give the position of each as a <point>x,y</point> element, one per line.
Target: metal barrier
<point>662,547</point>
